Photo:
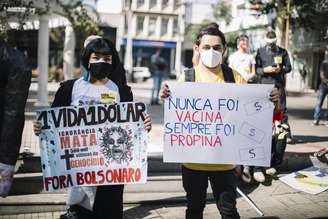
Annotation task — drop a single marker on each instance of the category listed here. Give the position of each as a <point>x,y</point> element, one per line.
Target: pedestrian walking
<point>15,80</point>
<point>208,51</point>
<point>158,65</point>
<point>322,92</point>
<point>104,76</point>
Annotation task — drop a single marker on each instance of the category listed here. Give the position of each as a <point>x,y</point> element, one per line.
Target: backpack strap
<point>63,96</point>
<point>228,74</point>
<point>189,74</point>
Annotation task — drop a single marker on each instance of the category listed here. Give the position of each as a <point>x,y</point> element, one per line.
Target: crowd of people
<point>103,72</point>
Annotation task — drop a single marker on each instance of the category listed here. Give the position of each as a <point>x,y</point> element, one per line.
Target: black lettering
<point>72,117</point>
<point>140,109</point>
<point>102,114</point>
<point>44,117</point>
<point>58,118</point>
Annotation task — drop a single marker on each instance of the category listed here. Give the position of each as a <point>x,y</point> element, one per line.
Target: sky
<point>106,6</point>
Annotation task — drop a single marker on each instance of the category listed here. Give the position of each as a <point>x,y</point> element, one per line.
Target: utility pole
<point>287,25</point>
<point>128,57</point>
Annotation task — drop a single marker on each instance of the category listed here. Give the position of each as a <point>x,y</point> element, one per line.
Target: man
<point>15,81</point>
<point>158,65</point>
<point>323,91</point>
<point>272,64</point>
<point>243,62</point>
<point>208,68</point>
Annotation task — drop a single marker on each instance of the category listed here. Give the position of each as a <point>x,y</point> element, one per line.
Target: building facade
<point>150,25</point>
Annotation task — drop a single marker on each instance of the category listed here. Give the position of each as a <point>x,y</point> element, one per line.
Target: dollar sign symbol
<point>257,106</point>
<point>251,132</point>
<point>251,153</point>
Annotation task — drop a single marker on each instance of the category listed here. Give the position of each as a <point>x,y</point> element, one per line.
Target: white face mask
<point>210,58</point>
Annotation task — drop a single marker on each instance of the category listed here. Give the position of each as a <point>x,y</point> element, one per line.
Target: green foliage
<point>222,11</point>
<point>74,11</point>
<point>310,14</point>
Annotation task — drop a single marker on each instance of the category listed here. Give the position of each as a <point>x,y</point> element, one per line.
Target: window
<point>140,24</point>
<point>165,3</point>
<point>175,27</point>
<point>165,22</point>
<point>153,3</point>
<point>177,4</point>
<point>140,3</point>
<point>127,4</point>
<point>152,25</point>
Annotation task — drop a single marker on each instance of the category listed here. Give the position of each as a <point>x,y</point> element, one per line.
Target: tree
<point>222,11</point>
<point>309,14</point>
<point>21,11</point>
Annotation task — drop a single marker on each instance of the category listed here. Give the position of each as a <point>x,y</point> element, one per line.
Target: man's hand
<point>36,128</point>
<point>277,70</point>
<point>268,69</point>
<point>147,123</point>
<point>274,97</point>
<point>165,92</point>
<point>272,70</point>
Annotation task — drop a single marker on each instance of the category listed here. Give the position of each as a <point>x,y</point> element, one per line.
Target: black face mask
<point>100,70</point>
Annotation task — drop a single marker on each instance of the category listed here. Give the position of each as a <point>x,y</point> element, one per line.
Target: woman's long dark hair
<point>106,47</point>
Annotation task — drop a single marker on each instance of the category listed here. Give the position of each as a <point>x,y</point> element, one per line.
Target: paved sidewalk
<point>166,199</point>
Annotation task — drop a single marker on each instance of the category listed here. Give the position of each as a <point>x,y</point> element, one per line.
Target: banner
<point>312,180</point>
<point>218,123</point>
<point>93,145</point>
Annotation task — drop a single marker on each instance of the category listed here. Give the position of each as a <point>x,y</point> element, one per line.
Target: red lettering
<point>173,138</point>
<point>47,181</point>
<point>179,116</point>
<point>101,174</point>
<point>64,142</point>
<point>79,178</point>
<point>137,175</point>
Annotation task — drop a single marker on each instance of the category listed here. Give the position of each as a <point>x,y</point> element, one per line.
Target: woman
<point>104,75</point>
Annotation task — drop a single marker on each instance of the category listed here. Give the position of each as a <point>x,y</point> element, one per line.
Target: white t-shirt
<point>242,63</point>
<point>85,93</point>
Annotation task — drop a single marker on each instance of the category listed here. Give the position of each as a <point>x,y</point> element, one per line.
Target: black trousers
<point>108,204</point>
<point>278,148</point>
<point>223,184</point>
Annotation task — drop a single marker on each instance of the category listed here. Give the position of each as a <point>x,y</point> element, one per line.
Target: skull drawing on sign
<point>116,145</point>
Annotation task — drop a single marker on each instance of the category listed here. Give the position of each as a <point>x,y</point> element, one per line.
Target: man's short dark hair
<point>271,34</point>
<point>101,46</point>
<point>210,29</point>
<point>242,37</point>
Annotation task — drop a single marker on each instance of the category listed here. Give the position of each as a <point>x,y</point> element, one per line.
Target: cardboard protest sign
<point>312,180</point>
<point>218,123</point>
<point>93,145</point>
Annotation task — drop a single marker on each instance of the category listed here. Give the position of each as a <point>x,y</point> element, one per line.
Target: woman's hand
<point>147,123</point>
<point>36,127</point>
<point>165,91</point>
<point>274,97</point>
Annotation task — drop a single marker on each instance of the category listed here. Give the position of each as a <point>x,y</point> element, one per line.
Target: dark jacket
<point>265,57</point>
<point>15,80</point>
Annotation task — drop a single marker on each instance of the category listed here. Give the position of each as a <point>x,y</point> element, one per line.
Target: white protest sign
<point>93,145</point>
<point>218,123</point>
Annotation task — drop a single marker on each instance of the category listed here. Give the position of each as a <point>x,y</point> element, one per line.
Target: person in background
<point>322,93</point>
<point>242,61</point>
<point>15,80</point>
<point>272,64</point>
<point>158,65</point>
<point>104,77</point>
<point>208,49</point>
